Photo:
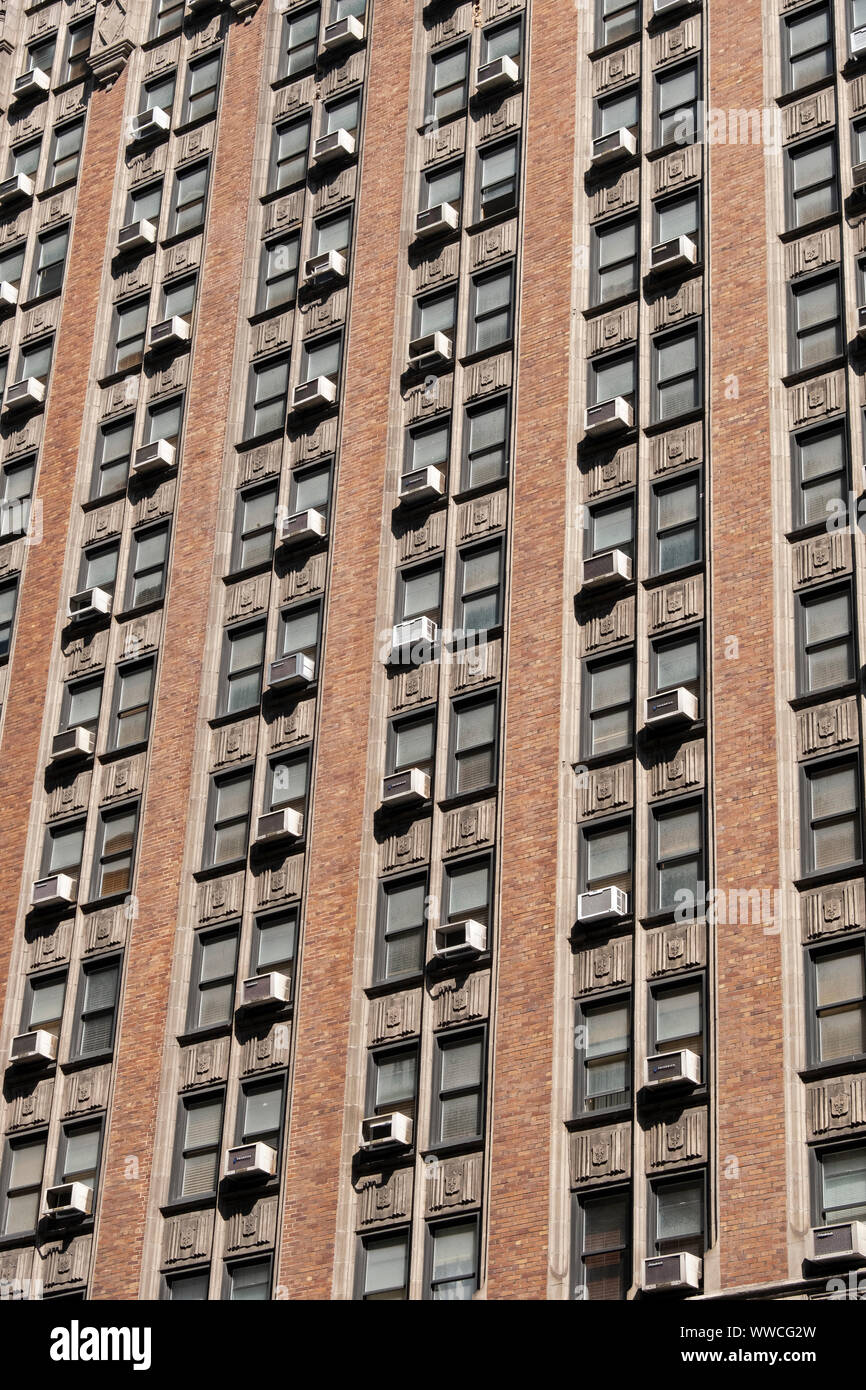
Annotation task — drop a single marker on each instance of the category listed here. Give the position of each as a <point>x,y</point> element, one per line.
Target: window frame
<point>673,639</point>
<point>201,938</point>
<point>52,182</point>
<point>797,287</point>
<point>671,484</point>
<point>799,437</point>
<point>124,669</point>
<point>471,409</point>
<point>668,984</point>
<point>107,814</point>
<point>688,1176</point>
<point>177,207</point>
<point>273,185</point>
<point>265,280</point>
<point>458,705</point>
<point>186,116</point>
<point>812,954</point>
<point>589,830</point>
<point>432,119</point>
<point>25,1140</point>
<point>580,1096</point>
<point>472,1219</point>
<point>666,338</point>
<point>232,1265</point>
<point>257,369</point>
<point>598,231</point>
<point>38,269</point>
<point>477,279</point>
<point>7,586</point>
<point>230,634</point>
<point>180,1150</point>
<point>590,665</point>
<point>787,23</point>
<point>246,773</point>
<point>580,1199</point>
<point>509,209</point>
<point>808,598</point>
<point>363,1242</point>
<point>442,1041</point>
<point>662,75</point>
<point>807,772</point>
<point>240,536</point>
<point>144,533</point>
<point>387,887</point>
<point>81,1015</point>
<point>658,812</point>
<point>285,70</point>
<point>794,151</point>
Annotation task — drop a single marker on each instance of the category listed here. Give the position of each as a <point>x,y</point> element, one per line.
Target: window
<point>65,155</point>
<point>810,182</point>
<point>145,203</point>
<point>300,43</point>
<point>82,701</point>
<point>178,299</point>
<point>40,55</point>
<point>680,216</point>
<point>618,112</point>
<point>164,421</point>
<point>602,1055</point>
<point>447,84</point>
<point>24,159</point>
<point>321,357</point>
<point>212,978</point>
<point>419,593</point>
<point>115,851</point>
<point>677,870</point>
<point>228,818</point>
<point>268,392</point>
<point>61,853</point>
<point>677,1216</point>
<point>289,154</point>
<point>606,855</point>
<point>278,274</point>
<point>442,186</point>
<point>612,375</point>
<point>614,257</point>
<point>159,92</point>
<point>274,943</point>
<point>128,336</point>
<point>676,366</point>
<point>299,632</point>
<point>190,194</point>
<point>611,527</point>
<point>133,692</point>
<point>96,1009</point>
<point>35,360</point>
<point>858,141</point>
<point>841,1194</point>
<point>384,1267</point>
<point>187,1288</point>
<point>677,661</point>
<point>467,891</point>
<point>808,48</point>
<point>342,114</point>
<point>288,779</point>
<point>474,745</point>
<point>23,1168</point>
<point>479,589</point>
<point>815,322</point>
<point>111,464</point>
<point>167,16</point>
<point>505,41</point>
<point>676,1017</point>
<point>676,524</point>
<point>616,19</point>
<point>255,519</point>
<point>147,566</point>
<point>677,114</point>
<point>243,657</point>
<point>458,1089</point>
<point>50,262</point>
<point>4,371</point>
<point>490,320</point>
<point>44,998</point>
<point>11,265</point>
<point>260,1113</point>
<point>485,442</point>
<point>453,1257</point>
<point>310,488</point>
<point>836,1002</point>
<point>402,927</point>
<point>820,468</point>
<point>249,1281</point>
<point>202,87</point>
<point>77,49</point>
<point>825,640</point>
<point>343,9</point>
<point>602,1260</point>
<point>197,1151</point>
<point>498,170</point>
<point>16,496</point>
<point>434,313</point>
<point>411,743</point>
<point>99,567</point>
<point>608,710</point>
<point>392,1081</point>
<point>831,816</point>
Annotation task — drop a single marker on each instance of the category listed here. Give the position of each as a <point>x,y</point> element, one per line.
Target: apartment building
<point>431,840</point>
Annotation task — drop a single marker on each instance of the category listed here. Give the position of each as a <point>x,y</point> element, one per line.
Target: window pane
<point>678,1014</point>
<point>834,793</point>
<point>251,1283</point>
<point>608,855</point>
<point>844,1181</point>
<point>680,1210</point>
<point>386,1264</point>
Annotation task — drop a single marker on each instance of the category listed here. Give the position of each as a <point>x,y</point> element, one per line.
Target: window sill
<point>287,78</point>
<point>592,1119</point>
<point>671,1094</point>
<point>209,871</point>
<point>248,442</point>
<point>818,1071</point>
<point>192,123</point>
<point>669,915</point>
<point>90,504</point>
<point>804,374</point>
<point>437,966</point>
<point>272,195</point>
<point>468,494</point>
<point>826,877</point>
<point>608,306</point>
<point>657,581</point>
<point>658,152</point>
<point>274,312</point>
<point>219,721</point>
<point>45,193</point>
<point>469,359</point>
<point>113,755</point>
<point>811,530</point>
<point>96,1059</point>
<point>590,761</point>
<point>676,422</point>
<point>176,238</point>
<point>263,567</point>
<point>454,1146</point>
<point>496,219</point>
<point>125,615</point>
<point>409,980</point>
<point>109,899</point>
<point>176,1205</point>
<point>816,698</point>
<point>808,89</point>
<point>36,299</point>
<point>454,800</point>
<point>817,224</point>
<point>198,1035</point>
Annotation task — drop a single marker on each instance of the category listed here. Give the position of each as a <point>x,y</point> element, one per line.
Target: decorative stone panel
<point>384,1197</point>
<point>436,270</point>
<point>452,26</point>
<point>12,558</point>
<point>673,307</point>
<point>27,437</point>
<point>615,69</point>
<point>507,116</point>
<point>195,144</point>
<point>672,1142</point>
<point>187,1238</point>
<point>108,927</point>
<point>826,727</point>
<point>219,898</point>
<point>677,603</point>
<point>445,143</point>
<point>393,1016</point>
<point>57,209</point>
<point>49,945</point>
<point>858,93</point>
<point>339,189</point>
<point>409,846</point>
<point>616,196</point>
<point>811,252</point>
<point>493,374</point>
<point>168,379</point>
<point>610,330</point>
<point>40,319</point>
<point>599,1155</point>
<point>603,966</point>
<point>452,1183</point>
<point>836,1105</point>
<point>271,335</point>
<point>672,44</point>
<point>122,778</point>
<point>812,113</point>
<point>84,654</point>
<point>610,623</point>
<point>30,1106</point>
<point>294,97</point>
<point>284,213</point>
<point>427,398</point>
<point>812,400</point>
<point>482,515</point>
<point>177,260</point>
<point>85,1091</point>
<point>253,1227</point>
<point>277,882</point>
<point>681,946</point>
<point>15,228</point>
<point>148,164</point>
<point>63,1263</point>
<point>837,908</point>
<point>346,74</point>
<point>204,1063</point>
<point>139,636</point>
<point>259,463</point>
<point>612,472</point>
<point>69,797</point>
<point>247,597</point>
<point>677,168</point>
<point>314,443</point>
<point>677,769</point>
<point>415,687</point>
<point>161,59</point>
<point>469,827</point>
<point>43,22</point>
<point>266,1049</point>
<point>15,1273</point>
<point>491,244</point>
<point>104,522</point>
<point>156,504</point>
<point>605,790</point>
<point>319,314</point>
<point>234,743</point>
<point>476,666</point>
<point>118,398</point>
<point>303,579</point>
<point>421,538</point>
<point>821,557</point>
<point>134,278</point>
<point>293,726</point>
<point>461,999</point>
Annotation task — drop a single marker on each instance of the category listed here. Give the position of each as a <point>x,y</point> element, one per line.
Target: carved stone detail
<point>426,398</point>
<point>813,399</point>
<point>267,1048</point>
<point>678,947</point>
<point>384,1197</point>
<point>812,113</point>
<point>49,945</point>
<point>31,1105</point>
<point>836,1105</point>
<point>413,687</point>
<point>604,790</point>
<point>469,826</point>
<point>600,1154</point>
<point>821,248</point>
<point>187,1238</point>
<point>840,907</point>
<point>421,538</point>
<point>615,69</point>
<point>677,168</point>
<point>393,1016</point>
<point>483,514</point>
<point>820,557</point>
<point>672,44</point>
<point>828,726</point>
<point>678,769</point>
<point>461,999</point>
<point>277,882</point>
<point>84,1091</point>
<point>70,796</point>
<point>220,897</point>
<point>63,1262</point>
<point>246,597</point>
<point>677,1140</point>
<point>609,623</point>
<point>476,666</point>
<point>453,1182</point>
<point>612,329</point>
<point>204,1063</point>
<point>107,928</point>
<point>294,725</point>
<point>611,472</point>
<point>253,1227</point>
<point>677,603</point>
<point>122,778</point>
<point>615,196</point>
<point>410,845</point>
<point>603,966</point>
<point>675,305</point>
<point>493,374</point>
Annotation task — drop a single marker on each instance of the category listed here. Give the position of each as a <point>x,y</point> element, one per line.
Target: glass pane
<point>476,725</point>
<point>677,505</point>
<point>101,989</point>
<point>680,1210</point>
<point>300,631</point>
<point>461,1065</point>
<point>677,664</point>
<point>429,447</point>
<point>46,1002</point>
<point>203,1124</point>
<point>446,187</point>
<point>215,1004</point>
<point>27,1163</point>
<point>395,1080</point>
<point>276,942</point>
<point>605,1223</point>
<point>405,907</point>
<point>188,1287</point>
<point>678,1014</point>
<point>454,1252</point>
<point>608,855</point>
<point>460,1117</point>
<point>119,834</point>
<point>842,1034</point>
<point>22,1213</point>
<point>436,315</point>
<point>82,1150</point>
<point>678,833</point>
<point>613,378</point>
<point>810,32</point>
<point>218,958</point>
<point>246,650</point>
<point>834,793</point>
<point>199,1174</point>
<point>421,592</point>
<point>386,1264</point>
<point>678,219</point>
<point>621,112</point>
<point>844,1175</point>
<point>468,891</point>
<point>97,1034</point>
<point>404,952</point>
<point>607,1029</point>
<point>611,732</point>
<point>66,849</point>
<point>413,744</point>
<point>836,844</point>
<point>262,1111</point>
<point>827,618</point>
<point>252,1283</point>
<point>816,306</point>
<point>612,527</point>
<point>830,665</point>
<point>611,685</point>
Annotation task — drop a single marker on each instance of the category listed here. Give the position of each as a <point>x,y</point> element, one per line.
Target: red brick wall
<point>142,1031</point>
<point>519,1191</point>
<point>316,1124</point>
<point>751,1115</point>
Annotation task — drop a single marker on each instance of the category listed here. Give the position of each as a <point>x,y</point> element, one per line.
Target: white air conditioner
<point>496,76</point>
<point>148,124</point>
<point>88,604</point>
<point>611,567</point>
<point>72,743</point>
<point>607,149</point>
<point>858,176</point>
<point>431,350</point>
<point>302,527</point>
<point>662,1273</point>
<point>413,641</point>
<point>608,417</point>
<point>33,1048</point>
<point>600,904</point>
<point>314,395</point>
<point>329,149</point>
<point>677,254</point>
<point>290,672</point>
<point>460,940</point>
<point>8,295</point>
<point>56,891</point>
<point>284,824</point>
<point>844,1241</point>
<point>329,265</point>
<point>437,221</point>
<point>857,42</point>
<point>21,394</point>
<point>861,321</point>
<point>422,485</point>
<point>342,34</point>
<point>257,1161</point>
<point>673,707</point>
<point>169,333</point>
<point>15,189</point>
<point>136,235</point>
<point>267,991</point>
<point>71,1201</point>
<point>32,83</point>
<point>393,1131</point>
<point>682,1068</point>
<point>407,788</point>
<point>153,457</point>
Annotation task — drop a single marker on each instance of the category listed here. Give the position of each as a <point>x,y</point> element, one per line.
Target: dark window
<point>677,859</point>
<point>44,997</point>
<point>677,119</point>
<point>411,743</point>
<point>275,943</point>
<point>618,112</point>
<point>808,48</point>
<point>676,1017</point>
<point>486,442</point>
<point>50,262</point>
<point>99,567</point>
<point>676,367</point>
<point>115,851</point>
<point>608,706</point>
<point>243,658</point>
<point>434,313</point>
<point>11,265</point>
<point>40,55</point>
<point>841,1194</point>
<point>858,141</point>
<point>419,593</point>
<point>214,965</point>
<point>453,1260</point>
<point>289,154</point>
<point>342,114</point>
<point>836,1002</point>
<point>820,467</point>
<point>24,159</point>
<point>23,1169</point>
<point>606,856</point>
<point>612,375</point>
<point>178,299</point>
<point>61,852</point>
<point>810,182</point>
<point>611,526</point>
<point>392,1081</point>
<point>197,1146</point>
<point>490,319</point>
<point>467,891</point>
<point>159,93</point>
<point>676,523</point>
<point>616,19</point>
<point>830,828</point>
<point>187,1288</point>
<point>614,257</point>
<point>825,640</point>
<point>81,704</point>
<point>479,589</point>
<point>16,496</point>
<point>300,42</point>
<point>164,422</point>
<point>474,741</point>
<point>260,1113</point>
<point>321,357</point>
<point>402,927</point>
<point>96,1009</point>
<point>503,41</point>
<point>111,464</point>
<point>188,204</point>
<point>255,519</point>
<point>299,632</point>
<point>677,661</point>
<point>4,371</point>
<point>147,566</point>
<point>815,322</point>
<point>229,808</point>
<point>448,84</point>
<point>498,171</point>
<point>278,276</point>
<point>602,1263</point>
<point>65,155</point>
<point>458,1089</point>
<point>145,203</point>
<point>332,234</point>
<point>202,87</point>
<point>288,782</point>
<point>677,1215</point>
<point>602,1055</point>
<point>310,488</point>
<point>384,1267</point>
<point>679,216</point>
<point>133,692</point>
<point>128,336</point>
<point>167,16</point>
<point>343,9</point>
<point>267,396</point>
<point>8,604</point>
<point>35,360</point>
<point>249,1281</point>
<point>442,186</point>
